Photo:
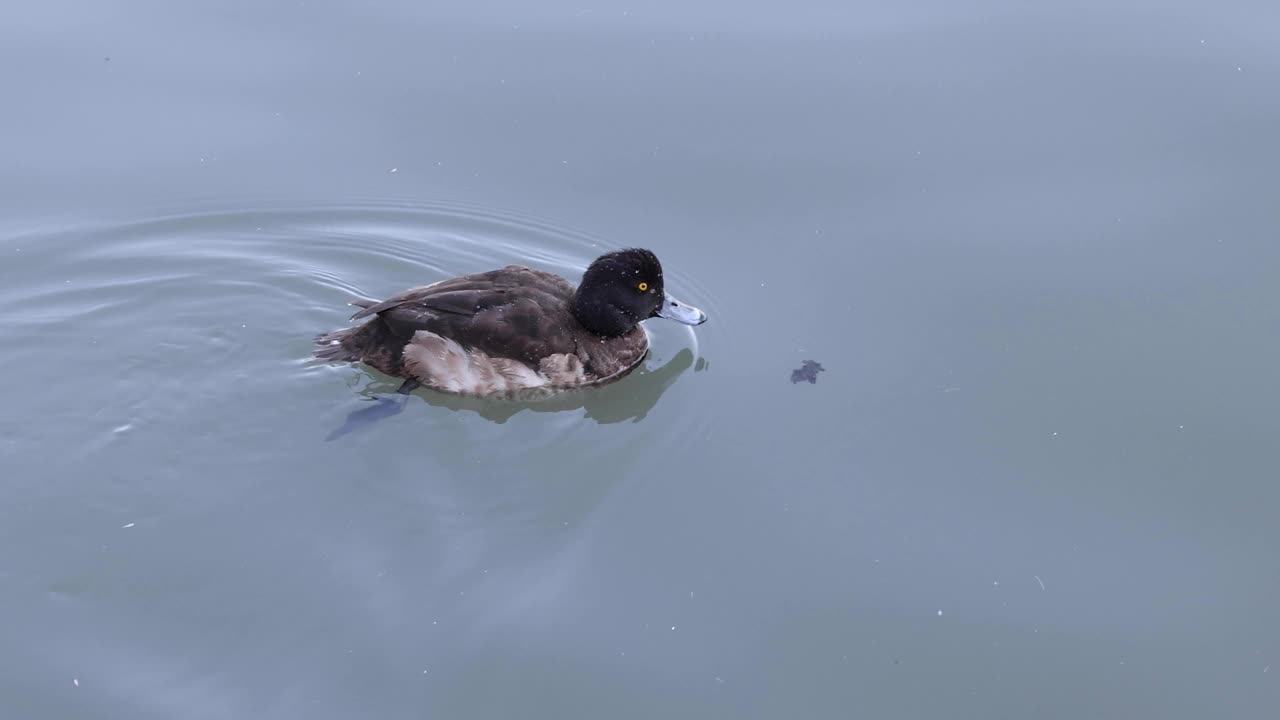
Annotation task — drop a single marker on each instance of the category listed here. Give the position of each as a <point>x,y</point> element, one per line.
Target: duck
<point>515,332</point>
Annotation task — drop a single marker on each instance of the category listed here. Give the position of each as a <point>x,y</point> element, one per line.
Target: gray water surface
<point>1033,246</point>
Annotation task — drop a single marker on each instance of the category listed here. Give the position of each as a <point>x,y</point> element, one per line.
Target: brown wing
<point>513,312</point>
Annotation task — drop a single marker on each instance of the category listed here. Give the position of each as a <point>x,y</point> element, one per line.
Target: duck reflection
<point>630,398</point>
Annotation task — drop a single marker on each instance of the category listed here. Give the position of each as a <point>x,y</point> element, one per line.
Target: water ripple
<point>219,304</point>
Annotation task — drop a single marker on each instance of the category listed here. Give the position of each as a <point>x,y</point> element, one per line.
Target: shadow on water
<point>631,398</point>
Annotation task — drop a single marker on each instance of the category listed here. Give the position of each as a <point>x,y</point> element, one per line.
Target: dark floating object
<point>808,370</point>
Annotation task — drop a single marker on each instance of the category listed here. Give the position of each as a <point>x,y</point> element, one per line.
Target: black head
<point>622,288</point>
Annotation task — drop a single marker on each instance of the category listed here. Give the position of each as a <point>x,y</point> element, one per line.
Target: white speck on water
<point>244,326</point>
<point>75,681</point>
<point>1239,69</point>
<point>690,594</point>
<point>1037,577</point>
<point>1055,434</point>
<point>939,613</point>
<point>394,170</point>
<point>123,428</point>
<point>995,583</point>
<point>1201,42</point>
<point>673,627</point>
<point>719,680</point>
<point>127,525</point>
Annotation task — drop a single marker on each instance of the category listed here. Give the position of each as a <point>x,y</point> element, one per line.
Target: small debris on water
<point>808,371</point>
<point>1037,577</point>
<point>127,525</point>
<point>75,681</point>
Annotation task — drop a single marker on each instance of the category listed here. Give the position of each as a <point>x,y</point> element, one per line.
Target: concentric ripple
<point>182,321</point>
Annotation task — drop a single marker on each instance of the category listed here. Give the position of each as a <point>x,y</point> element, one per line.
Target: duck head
<point>621,289</point>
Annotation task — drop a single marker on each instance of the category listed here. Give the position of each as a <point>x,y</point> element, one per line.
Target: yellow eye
<point>643,286</point>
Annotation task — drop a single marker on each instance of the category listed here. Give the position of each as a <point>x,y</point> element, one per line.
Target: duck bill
<point>673,309</point>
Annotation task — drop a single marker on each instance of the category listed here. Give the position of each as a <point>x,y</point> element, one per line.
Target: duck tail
<point>373,343</point>
<point>339,346</point>
<point>348,344</point>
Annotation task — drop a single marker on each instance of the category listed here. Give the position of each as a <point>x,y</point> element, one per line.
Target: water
<point>1033,250</point>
